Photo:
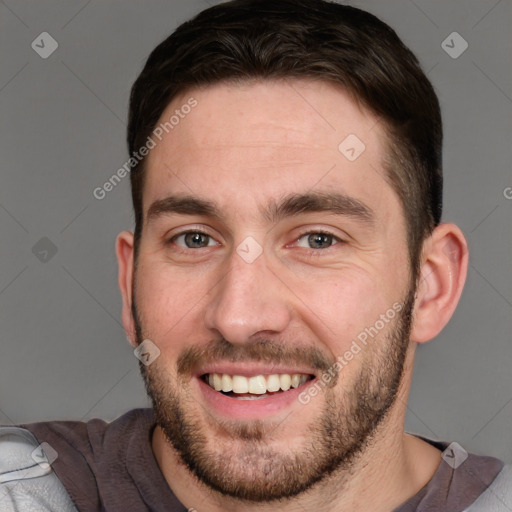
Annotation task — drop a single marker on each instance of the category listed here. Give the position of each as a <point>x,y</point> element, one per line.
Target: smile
<point>253,387</point>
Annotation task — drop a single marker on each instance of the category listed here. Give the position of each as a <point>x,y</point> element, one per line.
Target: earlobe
<point>442,277</point>
<point>125,256</point>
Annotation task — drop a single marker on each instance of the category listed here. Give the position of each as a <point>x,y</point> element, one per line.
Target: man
<point>287,259</point>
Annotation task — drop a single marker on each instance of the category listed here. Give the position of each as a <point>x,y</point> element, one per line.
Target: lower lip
<point>250,409</point>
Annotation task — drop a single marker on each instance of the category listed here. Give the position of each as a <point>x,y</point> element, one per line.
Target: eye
<point>193,240</point>
<point>318,240</point>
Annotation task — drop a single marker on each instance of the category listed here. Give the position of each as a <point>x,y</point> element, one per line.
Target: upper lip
<point>249,369</point>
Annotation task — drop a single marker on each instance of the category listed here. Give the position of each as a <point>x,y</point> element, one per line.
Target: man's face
<point>272,286</point>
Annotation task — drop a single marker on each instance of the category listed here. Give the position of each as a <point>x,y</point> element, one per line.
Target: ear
<point>125,254</point>
<point>444,265</point>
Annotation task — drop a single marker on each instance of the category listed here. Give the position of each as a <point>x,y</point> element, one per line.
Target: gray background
<point>64,354</point>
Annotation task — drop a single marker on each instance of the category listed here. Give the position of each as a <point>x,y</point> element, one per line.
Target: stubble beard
<point>239,460</point>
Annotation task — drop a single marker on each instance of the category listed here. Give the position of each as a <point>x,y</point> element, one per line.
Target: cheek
<point>168,303</point>
<point>344,304</point>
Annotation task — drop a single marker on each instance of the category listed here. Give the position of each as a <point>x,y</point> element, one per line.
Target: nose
<point>248,300</point>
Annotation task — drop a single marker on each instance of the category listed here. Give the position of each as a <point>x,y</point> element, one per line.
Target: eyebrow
<point>276,210</point>
<point>329,202</point>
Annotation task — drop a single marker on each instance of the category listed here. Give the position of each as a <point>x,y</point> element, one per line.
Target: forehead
<point>264,138</point>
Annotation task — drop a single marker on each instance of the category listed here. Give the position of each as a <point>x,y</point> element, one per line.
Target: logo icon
<point>147,352</point>
<point>351,147</point>
<point>454,45</point>
<point>44,250</point>
<point>44,455</point>
<point>454,455</point>
<point>249,249</point>
<point>44,45</point>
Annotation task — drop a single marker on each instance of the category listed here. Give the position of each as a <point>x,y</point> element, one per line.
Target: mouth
<point>255,387</point>
<point>248,390</point>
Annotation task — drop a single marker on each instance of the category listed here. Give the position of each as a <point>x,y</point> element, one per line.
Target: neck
<point>384,476</point>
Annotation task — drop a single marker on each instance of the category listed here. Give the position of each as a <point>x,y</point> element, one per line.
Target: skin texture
<point>242,147</point>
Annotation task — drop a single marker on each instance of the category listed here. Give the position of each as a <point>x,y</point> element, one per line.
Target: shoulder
<point>472,482</point>
<point>90,438</point>
<point>27,481</point>
<point>85,455</point>
<point>498,496</point>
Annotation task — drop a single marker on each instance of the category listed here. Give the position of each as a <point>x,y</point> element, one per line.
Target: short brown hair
<point>278,39</point>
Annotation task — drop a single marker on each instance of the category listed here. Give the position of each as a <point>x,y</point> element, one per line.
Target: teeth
<point>240,384</point>
<point>256,385</point>
<point>273,383</point>
<point>217,382</point>
<point>298,380</point>
<point>286,381</point>
<point>227,383</point>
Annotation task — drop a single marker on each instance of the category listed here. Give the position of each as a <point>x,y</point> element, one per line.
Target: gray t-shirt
<point>111,467</point>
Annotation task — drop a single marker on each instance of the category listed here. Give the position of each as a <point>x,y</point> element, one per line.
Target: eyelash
<point>302,235</point>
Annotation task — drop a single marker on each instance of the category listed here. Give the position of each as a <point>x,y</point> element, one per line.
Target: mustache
<point>261,351</point>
